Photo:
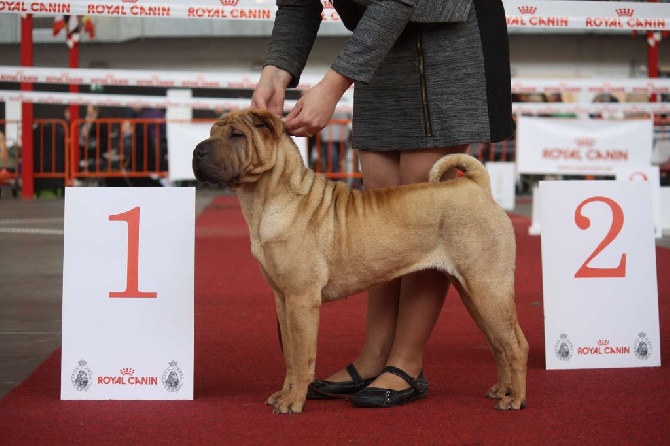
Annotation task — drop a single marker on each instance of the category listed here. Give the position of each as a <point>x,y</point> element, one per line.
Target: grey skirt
<point>442,84</point>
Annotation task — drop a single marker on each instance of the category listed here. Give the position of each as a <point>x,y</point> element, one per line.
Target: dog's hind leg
<point>494,312</point>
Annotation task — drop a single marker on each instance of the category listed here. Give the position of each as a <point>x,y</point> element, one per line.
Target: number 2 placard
<point>128,280</point>
<point>599,275</point>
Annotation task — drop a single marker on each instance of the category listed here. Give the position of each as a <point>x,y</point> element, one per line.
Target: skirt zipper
<point>422,79</point>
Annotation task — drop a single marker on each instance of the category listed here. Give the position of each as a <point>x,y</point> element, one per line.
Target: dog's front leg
<point>280,304</point>
<point>299,336</point>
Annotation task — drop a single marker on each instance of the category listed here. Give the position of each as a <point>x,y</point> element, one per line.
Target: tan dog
<point>317,241</point>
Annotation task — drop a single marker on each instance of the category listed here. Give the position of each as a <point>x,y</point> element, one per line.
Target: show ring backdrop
<point>128,287</point>
<point>599,275</point>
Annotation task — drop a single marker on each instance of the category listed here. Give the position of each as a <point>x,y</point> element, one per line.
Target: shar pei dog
<point>316,240</point>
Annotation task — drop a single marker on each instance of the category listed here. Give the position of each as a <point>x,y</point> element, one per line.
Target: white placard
<point>599,275</point>
<point>128,280</point>
<point>182,137</point>
<point>503,183</point>
<point>651,174</point>
<point>582,146</point>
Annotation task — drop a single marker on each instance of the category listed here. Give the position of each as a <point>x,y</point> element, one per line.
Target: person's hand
<point>317,105</point>
<point>271,90</point>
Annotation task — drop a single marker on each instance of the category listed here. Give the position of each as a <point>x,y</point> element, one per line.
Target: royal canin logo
<point>625,12</point>
<point>528,9</point>
<point>585,142</point>
<point>229,2</point>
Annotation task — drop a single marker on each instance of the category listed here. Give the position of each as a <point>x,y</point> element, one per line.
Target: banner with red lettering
<point>582,146</point>
<point>529,14</point>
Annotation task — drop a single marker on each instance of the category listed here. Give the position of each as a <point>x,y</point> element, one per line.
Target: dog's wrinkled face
<point>239,148</point>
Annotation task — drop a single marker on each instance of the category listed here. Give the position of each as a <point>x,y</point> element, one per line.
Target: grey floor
<point>31,268</point>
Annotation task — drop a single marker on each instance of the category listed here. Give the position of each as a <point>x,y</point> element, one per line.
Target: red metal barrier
<point>332,154</point>
<point>9,159</point>
<point>119,148</point>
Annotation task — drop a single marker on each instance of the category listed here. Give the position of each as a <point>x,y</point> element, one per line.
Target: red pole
<point>653,39</point>
<point>27,162</point>
<point>74,111</point>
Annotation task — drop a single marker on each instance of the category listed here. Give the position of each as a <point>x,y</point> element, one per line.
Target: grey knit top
<point>297,23</point>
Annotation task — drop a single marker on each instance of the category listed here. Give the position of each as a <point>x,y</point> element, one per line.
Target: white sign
<point>651,174</point>
<point>582,146</point>
<point>503,183</point>
<point>599,275</point>
<point>182,138</point>
<point>128,294</point>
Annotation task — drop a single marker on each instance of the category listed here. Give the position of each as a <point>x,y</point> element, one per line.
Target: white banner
<point>128,285</point>
<point>581,146</point>
<point>249,80</point>
<point>593,15</point>
<point>344,106</point>
<point>599,275</point>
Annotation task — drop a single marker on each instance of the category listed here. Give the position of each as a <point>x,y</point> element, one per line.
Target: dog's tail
<point>470,166</point>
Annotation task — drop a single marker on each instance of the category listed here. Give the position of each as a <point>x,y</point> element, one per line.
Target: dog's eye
<point>236,134</point>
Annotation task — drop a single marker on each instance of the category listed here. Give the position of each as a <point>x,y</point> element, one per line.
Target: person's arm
<point>376,33</point>
<point>296,25</point>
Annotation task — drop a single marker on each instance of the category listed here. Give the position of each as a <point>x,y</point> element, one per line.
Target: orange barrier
<point>332,155</point>
<point>118,148</point>
<point>137,148</point>
<point>9,160</point>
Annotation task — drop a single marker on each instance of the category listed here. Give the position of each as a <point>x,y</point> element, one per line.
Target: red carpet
<point>239,364</point>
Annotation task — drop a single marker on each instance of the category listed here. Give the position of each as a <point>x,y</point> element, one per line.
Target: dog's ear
<point>264,119</point>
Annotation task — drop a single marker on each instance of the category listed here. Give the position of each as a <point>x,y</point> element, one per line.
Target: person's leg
<point>380,169</point>
<point>422,293</point>
<point>402,313</point>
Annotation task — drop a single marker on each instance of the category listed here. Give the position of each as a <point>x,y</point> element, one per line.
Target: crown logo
<point>625,12</point>
<point>173,363</point>
<point>129,1</point>
<point>585,141</point>
<point>603,342</point>
<point>642,335</point>
<point>229,2</point>
<point>82,363</point>
<point>127,371</point>
<point>327,4</point>
<point>564,336</point>
<point>527,9</point>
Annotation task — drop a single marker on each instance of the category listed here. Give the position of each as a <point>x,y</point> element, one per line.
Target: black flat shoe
<point>326,390</point>
<point>378,397</point>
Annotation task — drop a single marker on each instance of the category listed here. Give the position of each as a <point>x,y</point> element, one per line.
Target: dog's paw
<point>509,403</point>
<point>283,403</point>
<point>498,392</point>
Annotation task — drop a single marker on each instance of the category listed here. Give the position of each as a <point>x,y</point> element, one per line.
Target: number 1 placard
<point>128,281</point>
<point>599,275</point>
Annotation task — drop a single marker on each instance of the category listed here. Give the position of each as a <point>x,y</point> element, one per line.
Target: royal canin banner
<point>249,80</point>
<point>593,15</point>
<point>582,146</point>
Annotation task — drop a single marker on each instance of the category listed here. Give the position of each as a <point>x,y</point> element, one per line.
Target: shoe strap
<point>355,376</point>
<point>404,375</point>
